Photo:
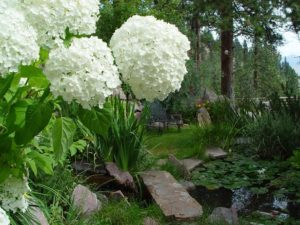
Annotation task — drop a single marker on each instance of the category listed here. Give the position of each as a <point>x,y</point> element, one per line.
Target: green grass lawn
<point>180,143</point>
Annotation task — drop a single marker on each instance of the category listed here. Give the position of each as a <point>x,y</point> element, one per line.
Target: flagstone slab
<point>172,198</point>
<point>191,164</point>
<point>216,153</point>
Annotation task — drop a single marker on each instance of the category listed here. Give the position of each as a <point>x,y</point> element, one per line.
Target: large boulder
<point>203,117</point>
<point>85,201</point>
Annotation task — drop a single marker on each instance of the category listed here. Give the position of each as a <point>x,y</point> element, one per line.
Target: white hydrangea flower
<point>13,194</point>
<point>51,18</point>
<point>17,38</point>
<point>4,219</point>
<point>84,72</point>
<point>150,55</point>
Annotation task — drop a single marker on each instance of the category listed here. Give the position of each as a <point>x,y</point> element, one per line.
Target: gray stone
<point>203,117</point>
<point>85,201</point>
<point>243,141</point>
<point>122,177</point>
<point>224,215</point>
<point>216,153</point>
<point>38,216</point>
<point>188,185</point>
<point>210,96</point>
<point>161,162</point>
<point>179,165</point>
<point>150,221</point>
<point>172,198</point>
<point>191,164</point>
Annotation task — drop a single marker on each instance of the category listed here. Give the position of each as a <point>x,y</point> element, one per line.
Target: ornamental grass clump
<point>123,143</point>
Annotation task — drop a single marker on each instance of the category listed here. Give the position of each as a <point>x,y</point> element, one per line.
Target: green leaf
<point>77,146</point>
<point>5,143</point>
<point>35,75</point>
<point>62,136</point>
<point>5,84</point>
<point>41,161</point>
<point>16,116</point>
<point>32,166</point>
<point>96,120</point>
<point>37,118</point>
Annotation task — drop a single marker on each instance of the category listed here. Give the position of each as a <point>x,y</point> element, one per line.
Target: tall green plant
<point>125,135</point>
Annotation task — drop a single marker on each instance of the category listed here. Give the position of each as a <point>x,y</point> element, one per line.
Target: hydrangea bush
<point>83,72</point>
<point>43,44</point>
<point>151,56</point>
<point>13,193</point>
<point>4,219</point>
<point>17,38</point>
<point>51,18</point>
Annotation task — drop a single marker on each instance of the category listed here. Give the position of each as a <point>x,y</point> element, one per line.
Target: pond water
<point>246,202</point>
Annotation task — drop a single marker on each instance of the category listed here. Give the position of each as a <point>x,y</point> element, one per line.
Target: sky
<point>291,49</point>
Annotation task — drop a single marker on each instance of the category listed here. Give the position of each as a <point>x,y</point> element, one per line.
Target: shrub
<point>275,135</point>
<point>219,134</point>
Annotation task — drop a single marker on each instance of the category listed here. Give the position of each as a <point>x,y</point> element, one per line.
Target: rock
<point>38,216</point>
<point>117,195</point>
<point>122,177</point>
<point>188,185</point>
<point>191,164</point>
<point>216,153</point>
<point>85,200</point>
<point>243,141</point>
<point>172,198</point>
<point>224,215</point>
<point>210,96</point>
<point>203,117</point>
<point>179,165</point>
<point>161,162</point>
<point>150,221</point>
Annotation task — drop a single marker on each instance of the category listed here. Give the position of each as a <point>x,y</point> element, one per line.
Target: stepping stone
<point>172,198</point>
<point>123,178</point>
<point>216,153</point>
<point>191,164</point>
<point>179,165</point>
<point>85,201</point>
<point>188,185</point>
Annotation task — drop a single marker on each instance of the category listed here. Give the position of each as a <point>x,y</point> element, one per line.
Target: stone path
<point>216,153</point>
<point>191,164</point>
<point>172,198</point>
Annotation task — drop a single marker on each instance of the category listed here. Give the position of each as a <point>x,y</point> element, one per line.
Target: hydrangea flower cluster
<point>13,194</point>
<point>151,56</point>
<point>4,219</point>
<point>83,72</point>
<point>17,38</point>
<point>51,18</point>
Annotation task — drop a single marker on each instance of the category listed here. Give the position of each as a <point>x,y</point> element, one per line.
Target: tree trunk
<point>198,43</point>
<point>226,13</point>
<point>227,63</point>
<point>255,63</point>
